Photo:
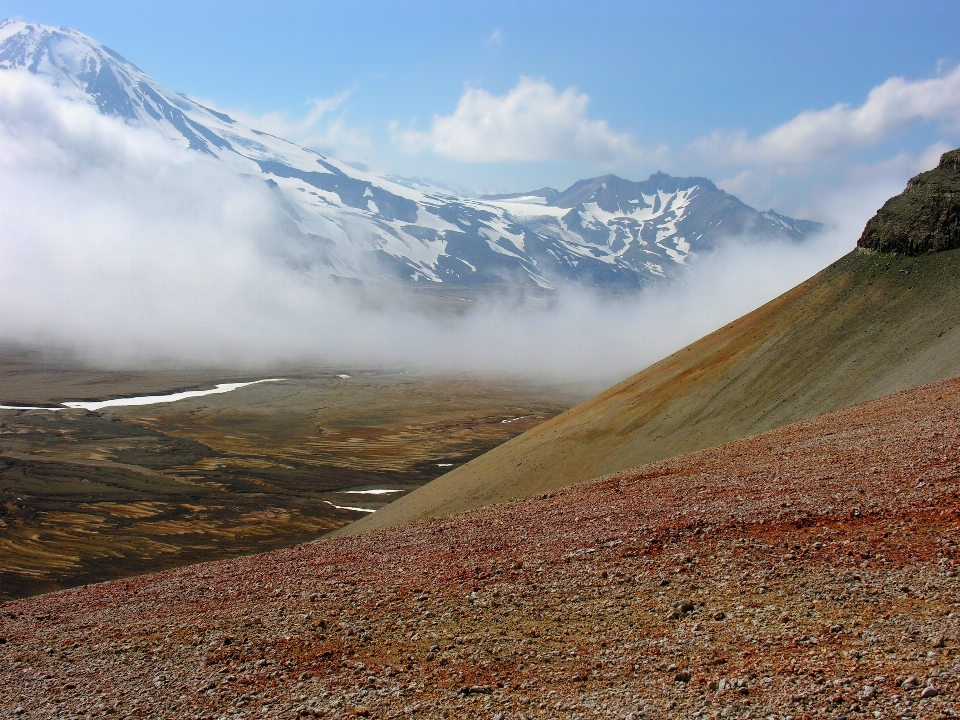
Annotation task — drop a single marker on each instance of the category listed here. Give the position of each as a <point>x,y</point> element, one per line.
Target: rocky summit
<point>923,218</point>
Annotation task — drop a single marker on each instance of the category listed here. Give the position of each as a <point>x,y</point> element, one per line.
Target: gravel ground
<point>807,572</point>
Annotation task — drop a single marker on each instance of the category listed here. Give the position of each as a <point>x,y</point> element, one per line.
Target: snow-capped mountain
<point>606,231</point>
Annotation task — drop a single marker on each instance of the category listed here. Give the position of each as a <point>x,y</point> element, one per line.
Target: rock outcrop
<point>923,218</point>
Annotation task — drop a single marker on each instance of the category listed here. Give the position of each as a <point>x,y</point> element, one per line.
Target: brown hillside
<point>868,325</point>
<point>808,572</point>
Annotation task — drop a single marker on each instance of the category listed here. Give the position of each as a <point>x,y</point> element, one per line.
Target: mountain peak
<point>950,161</point>
<point>605,232</point>
<point>924,218</point>
<point>614,191</point>
<point>79,66</point>
<point>663,180</point>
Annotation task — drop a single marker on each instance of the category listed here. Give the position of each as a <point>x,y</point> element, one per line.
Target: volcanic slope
<point>806,572</point>
<point>868,325</point>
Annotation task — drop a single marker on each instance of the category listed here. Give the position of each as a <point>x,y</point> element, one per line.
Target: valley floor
<point>807,572</point>
<point>93,496</point>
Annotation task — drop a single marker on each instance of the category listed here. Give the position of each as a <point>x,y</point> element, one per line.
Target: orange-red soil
<point>807,572</point>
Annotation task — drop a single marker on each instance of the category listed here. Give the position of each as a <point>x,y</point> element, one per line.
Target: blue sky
<point>515,95</point>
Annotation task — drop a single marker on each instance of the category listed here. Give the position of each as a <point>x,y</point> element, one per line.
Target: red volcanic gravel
<point>810,572</point>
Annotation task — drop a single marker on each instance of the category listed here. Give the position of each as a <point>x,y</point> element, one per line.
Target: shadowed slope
<point>868,325</point>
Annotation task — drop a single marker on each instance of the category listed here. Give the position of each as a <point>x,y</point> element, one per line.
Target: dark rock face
<point>923,218</point>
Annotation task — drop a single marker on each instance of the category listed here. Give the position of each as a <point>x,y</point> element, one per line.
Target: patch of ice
<point>541,282</point>
<point>377,491</point>
<point>347,507</point>
<point>495,246</point>
<point>427,219</point>
<point>654,268</point>
<point>674,255</point>
<point>497,229</point>
<point>156,399</point>
<point>28,407</point>
<point>529,200</point>
<point>420,254</point>
<point>526,209</point>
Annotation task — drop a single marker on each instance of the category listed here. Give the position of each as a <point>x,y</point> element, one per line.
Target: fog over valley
<point>129,250</point>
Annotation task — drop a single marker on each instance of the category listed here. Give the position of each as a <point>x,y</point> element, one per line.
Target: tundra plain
<point>90,496</point>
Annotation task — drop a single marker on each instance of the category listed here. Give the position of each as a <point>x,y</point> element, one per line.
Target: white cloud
<point>315,130</point>
<point>495,38</point>
<point>812,191</point>
<point>901,165</point>
<point>121,246</point>
<point>531,122</point>
<point>817,134</point>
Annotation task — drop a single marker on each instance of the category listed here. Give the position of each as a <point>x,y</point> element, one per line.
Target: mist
<point>130,252</point>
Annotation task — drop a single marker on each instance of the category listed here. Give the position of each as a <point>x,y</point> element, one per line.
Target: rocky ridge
<point>923,218</point>
<point>806,572</point>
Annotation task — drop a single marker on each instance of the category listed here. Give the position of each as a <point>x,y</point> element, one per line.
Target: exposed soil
<point>807,572</point>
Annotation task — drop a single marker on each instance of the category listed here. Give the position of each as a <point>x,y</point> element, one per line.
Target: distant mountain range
<point>602,232</point>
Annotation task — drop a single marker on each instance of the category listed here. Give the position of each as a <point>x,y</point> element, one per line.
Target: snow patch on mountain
<point>603,232</point>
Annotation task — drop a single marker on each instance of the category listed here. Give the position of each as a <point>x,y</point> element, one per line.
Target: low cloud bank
<point>119,246</point>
